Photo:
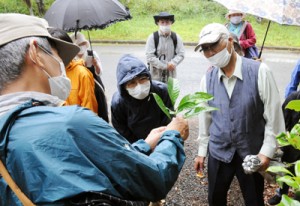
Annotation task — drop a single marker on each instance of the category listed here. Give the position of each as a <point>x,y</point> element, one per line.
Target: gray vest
<point>238,125</point>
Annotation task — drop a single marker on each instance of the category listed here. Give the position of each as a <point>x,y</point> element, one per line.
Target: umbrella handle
<point>262,46</point>
<point>90,44</point>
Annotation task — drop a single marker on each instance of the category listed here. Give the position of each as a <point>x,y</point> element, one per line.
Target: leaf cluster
<point>190,105</point>
<point>284,175</point>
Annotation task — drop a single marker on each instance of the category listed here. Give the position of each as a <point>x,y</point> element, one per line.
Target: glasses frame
<point>137,80</point>
<point>212,47</point>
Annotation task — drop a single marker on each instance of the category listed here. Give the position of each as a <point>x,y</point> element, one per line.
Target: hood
<point>128,68</point>
<point>74,63</point>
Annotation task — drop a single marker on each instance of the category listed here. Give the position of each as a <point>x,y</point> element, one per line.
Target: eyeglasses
<point>137,80</point>
<point>212,47</point>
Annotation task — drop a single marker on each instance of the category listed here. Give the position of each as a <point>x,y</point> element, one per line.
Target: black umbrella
<point>74,15</point>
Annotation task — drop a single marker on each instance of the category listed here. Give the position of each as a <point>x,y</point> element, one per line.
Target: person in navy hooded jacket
<point>134,112</point>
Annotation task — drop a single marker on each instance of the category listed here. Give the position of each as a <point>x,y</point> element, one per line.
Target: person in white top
<point>89,56</point>
<point>248,119</point>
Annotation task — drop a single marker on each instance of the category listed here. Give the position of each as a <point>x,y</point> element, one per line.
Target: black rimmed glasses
<point>137,80</point>
<point>211,47</point>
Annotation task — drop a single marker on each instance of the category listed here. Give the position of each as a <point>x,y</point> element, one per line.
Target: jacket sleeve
<point>295,79</point>
<point>135,175</point>
<point>119,118</point>
<point>248,39</point>
<point>86,90</point>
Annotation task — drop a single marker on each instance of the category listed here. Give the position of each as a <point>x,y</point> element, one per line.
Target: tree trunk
<point>28,3</point>
<point>41,7</point>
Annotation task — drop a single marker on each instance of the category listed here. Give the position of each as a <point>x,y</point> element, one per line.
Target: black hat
<point>164,15</point>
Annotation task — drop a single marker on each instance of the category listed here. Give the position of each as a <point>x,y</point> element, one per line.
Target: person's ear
<point>35,54</point>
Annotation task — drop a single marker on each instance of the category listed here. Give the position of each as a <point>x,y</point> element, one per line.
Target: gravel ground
<point>190,190</point>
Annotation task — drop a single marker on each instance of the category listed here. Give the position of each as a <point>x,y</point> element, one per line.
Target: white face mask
<point>222,58</point>
<point>141,91</point>
<point>60,86</point>
<point>165,29</point>
<point>236,19</point>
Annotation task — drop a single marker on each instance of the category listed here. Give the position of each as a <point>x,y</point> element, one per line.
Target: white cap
<point>79,38</point>
<point>211,33</point>
<point>232,11</point>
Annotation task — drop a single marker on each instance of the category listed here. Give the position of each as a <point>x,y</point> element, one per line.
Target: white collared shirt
<point>270,97</point>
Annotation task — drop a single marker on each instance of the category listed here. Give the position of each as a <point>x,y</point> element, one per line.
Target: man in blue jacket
<point>64,155</point>
<point>134,111</point>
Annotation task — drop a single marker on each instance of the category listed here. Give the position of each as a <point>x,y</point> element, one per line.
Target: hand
<point>265,161</point>
<point>154,136</point>
<point>199,164</point>
<point>181,125</point>
<point>171,67</point>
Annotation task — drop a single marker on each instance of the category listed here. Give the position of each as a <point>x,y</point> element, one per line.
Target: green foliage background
<point>190,16</point>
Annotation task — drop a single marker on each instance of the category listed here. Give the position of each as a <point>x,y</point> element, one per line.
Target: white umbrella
<point>280,11</point>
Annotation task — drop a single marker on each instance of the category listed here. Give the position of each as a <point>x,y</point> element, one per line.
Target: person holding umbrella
<point>164,48</point>
<point>246,123</point>
<point>93,63</point>
<point>244,31</point>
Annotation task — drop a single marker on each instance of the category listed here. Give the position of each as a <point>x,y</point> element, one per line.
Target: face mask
<point>60,86</point>
<point>83,49</point>
<point>235,19</point>
<point>165,29</point>
<point>141,91</point>
<point>222,58</point>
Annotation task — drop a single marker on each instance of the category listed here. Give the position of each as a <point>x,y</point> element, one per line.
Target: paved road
<point>192,68</point>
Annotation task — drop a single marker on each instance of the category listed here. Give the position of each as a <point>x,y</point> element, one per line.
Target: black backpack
<point>156,40</point>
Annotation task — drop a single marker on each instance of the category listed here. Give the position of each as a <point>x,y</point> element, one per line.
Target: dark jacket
<point>291,117</point>
<point>133,118</point>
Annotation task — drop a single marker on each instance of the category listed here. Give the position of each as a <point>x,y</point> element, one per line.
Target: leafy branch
<point>190,105</point>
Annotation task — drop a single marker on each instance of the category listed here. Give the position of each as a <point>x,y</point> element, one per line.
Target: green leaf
<point>297,168</point>
<point>294,140</point>
<point>195,111</point>
<point>289,181</point>
<point>173,90</point>
<point>279,169</point>
<point>192,100</point>
<point>161,104</point>
<point>294,105</point>
<point>282,139</point>
<point>286,200</point>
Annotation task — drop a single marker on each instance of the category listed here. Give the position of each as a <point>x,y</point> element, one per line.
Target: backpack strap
<point>174,38</point>
<point>243,29</point>
<point>156,40</point>
<point>13,186</point>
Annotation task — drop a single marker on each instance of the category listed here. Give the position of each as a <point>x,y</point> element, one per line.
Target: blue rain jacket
<point>54,153</point>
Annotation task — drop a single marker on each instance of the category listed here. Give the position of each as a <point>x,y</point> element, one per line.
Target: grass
<point>190,16</point>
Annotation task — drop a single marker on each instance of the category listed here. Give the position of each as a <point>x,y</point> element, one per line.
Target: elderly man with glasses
<point>246,123</point>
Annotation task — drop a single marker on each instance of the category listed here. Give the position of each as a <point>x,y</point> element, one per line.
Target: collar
<point>12,100</point>
<point>237,70</point>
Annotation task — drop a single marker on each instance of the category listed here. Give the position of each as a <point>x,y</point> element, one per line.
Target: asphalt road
<point>193,67</point>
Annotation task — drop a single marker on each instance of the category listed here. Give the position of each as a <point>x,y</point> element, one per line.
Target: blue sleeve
<point>295,79</point>
<point>135,175</point>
